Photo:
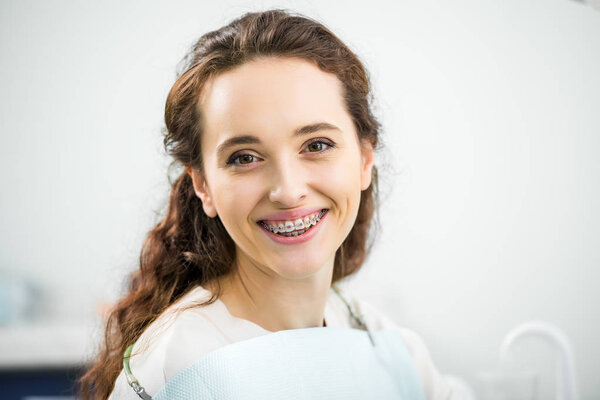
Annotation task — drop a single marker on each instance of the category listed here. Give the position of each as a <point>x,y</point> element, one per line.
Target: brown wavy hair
<point>187,248</point>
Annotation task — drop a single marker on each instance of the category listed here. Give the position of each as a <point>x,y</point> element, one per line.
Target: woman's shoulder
<point>434,384</point>
<point>177,338</point>
<point>344,300</point>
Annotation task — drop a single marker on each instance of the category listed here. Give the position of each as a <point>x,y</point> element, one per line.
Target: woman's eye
<point>245,158</point>
<point>242,159</point>
<point>318,146</point>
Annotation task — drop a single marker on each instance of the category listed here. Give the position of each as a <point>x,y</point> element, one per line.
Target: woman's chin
<point>299,270</point>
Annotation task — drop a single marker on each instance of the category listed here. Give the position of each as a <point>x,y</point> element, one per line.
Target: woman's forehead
<point>271,94</point>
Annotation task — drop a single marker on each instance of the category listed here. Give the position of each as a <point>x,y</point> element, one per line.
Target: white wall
<point>492,125</point>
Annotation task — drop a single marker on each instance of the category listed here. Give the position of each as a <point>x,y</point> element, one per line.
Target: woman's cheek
<point>343,170</point>
<point>237,196</point>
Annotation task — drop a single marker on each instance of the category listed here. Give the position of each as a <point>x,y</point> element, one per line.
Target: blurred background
<point>490,174</point>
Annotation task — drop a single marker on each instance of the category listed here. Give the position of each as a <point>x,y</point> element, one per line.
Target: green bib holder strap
<point>133,382</point>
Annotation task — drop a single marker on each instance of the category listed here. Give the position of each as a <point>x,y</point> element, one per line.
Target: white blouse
<point>176,340</point>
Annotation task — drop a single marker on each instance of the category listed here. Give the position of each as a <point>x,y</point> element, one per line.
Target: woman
<point>271,119</point>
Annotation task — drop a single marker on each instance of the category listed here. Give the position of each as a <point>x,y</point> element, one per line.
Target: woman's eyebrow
<point>249,139</point>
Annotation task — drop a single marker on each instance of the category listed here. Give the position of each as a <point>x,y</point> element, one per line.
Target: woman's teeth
<point>295,227</point>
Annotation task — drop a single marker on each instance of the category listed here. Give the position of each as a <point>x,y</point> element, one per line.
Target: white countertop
<point>47,344</point>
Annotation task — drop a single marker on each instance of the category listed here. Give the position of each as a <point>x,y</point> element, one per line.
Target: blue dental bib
<point>310,363</point>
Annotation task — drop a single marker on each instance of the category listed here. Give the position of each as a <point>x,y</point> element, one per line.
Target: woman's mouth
<point>297,227</point>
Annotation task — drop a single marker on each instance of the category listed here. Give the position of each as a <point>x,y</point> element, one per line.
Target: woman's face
<point>278,148</point>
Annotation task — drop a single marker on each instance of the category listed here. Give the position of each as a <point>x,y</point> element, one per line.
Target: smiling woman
<point>289,165</point>
<point>236,290</point>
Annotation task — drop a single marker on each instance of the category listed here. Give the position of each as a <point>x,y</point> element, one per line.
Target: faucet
<point>565,368</point>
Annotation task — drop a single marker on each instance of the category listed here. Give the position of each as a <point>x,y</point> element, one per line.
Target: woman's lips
<point>290,215</point>
<point>290,225</point>
<point>300,238</point>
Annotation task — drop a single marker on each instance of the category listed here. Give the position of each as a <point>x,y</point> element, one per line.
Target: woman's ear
<point>202,191</point>
<point>367,164</point>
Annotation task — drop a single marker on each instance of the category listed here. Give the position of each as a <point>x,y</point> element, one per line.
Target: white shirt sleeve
<point>193,336</point>
<point>166,349</point>
<point>434,384</point>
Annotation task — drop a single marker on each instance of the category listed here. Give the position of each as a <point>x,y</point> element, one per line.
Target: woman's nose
<point>289,187</point>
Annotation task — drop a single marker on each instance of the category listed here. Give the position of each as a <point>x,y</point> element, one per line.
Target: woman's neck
<point>276,303</point>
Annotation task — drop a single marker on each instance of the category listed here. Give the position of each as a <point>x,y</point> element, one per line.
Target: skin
<point>273,285</point>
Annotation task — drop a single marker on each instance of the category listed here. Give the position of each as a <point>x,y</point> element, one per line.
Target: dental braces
<point>277,229</point>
